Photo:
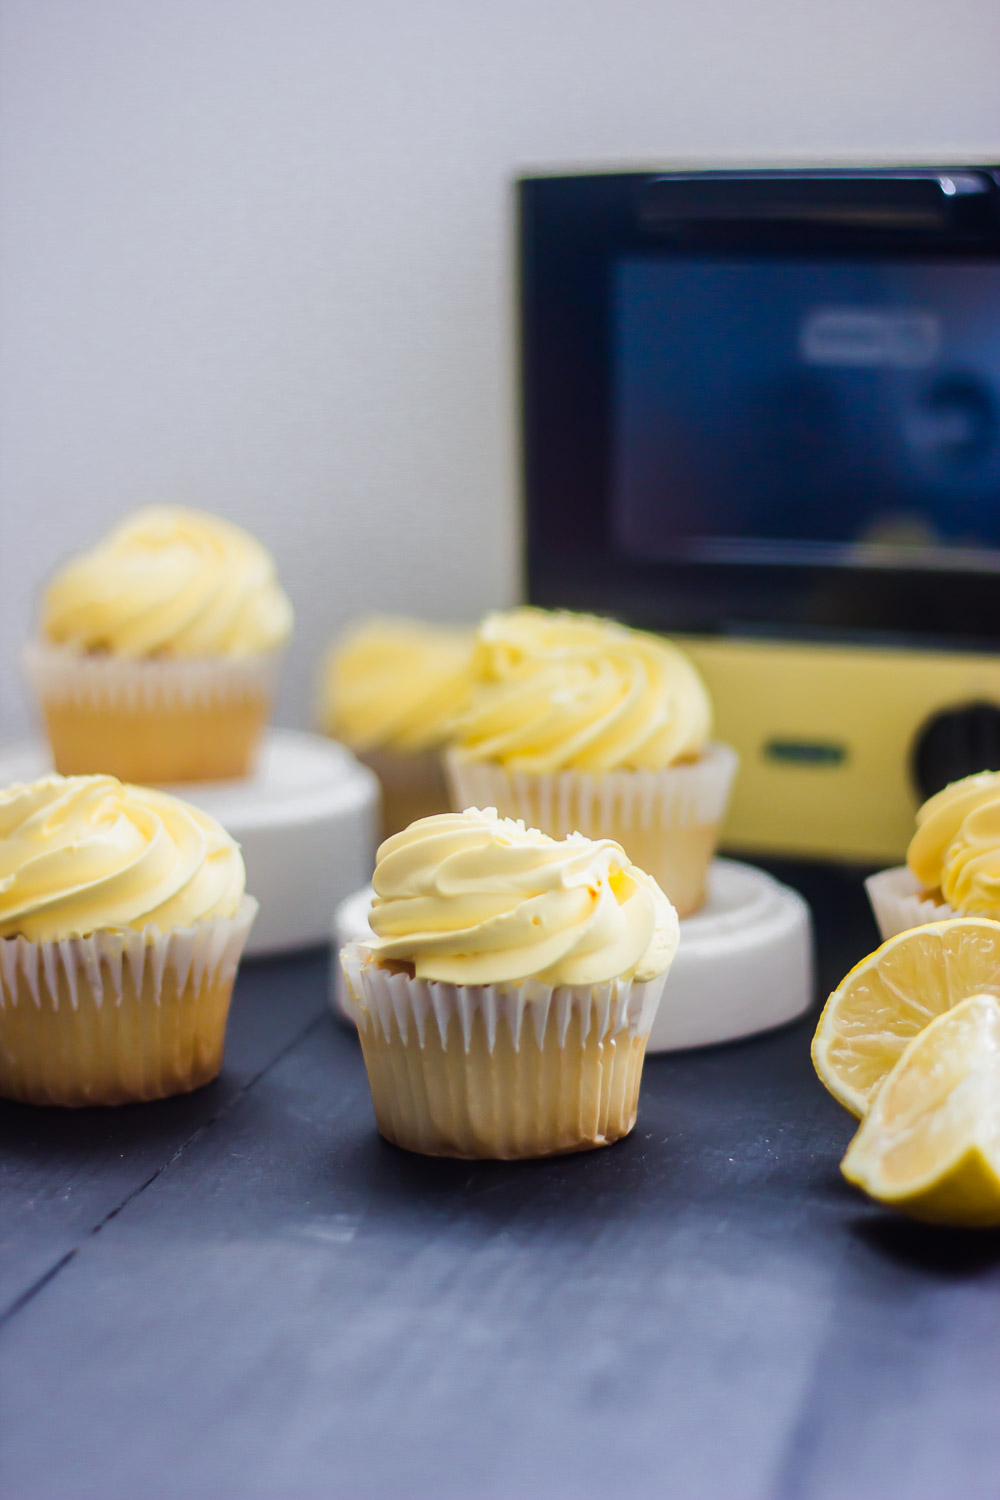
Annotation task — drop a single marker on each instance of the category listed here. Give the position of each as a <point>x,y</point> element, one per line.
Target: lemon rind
<point>963,1191</point>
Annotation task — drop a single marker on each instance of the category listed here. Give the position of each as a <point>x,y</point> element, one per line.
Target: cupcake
<point>953,862</point>
<point>505,999</point>
<point>580,724</point>
<point>390,689</point>
<point>158,650</point>
<point>122,920</point>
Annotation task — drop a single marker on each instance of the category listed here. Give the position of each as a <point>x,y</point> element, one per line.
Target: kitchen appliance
<point>761,412</point>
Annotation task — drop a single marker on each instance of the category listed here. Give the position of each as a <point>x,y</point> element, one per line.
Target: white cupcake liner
<point>413,1004</point>
<point>690,794</point>
<point>62,674</point>
<point>350,925</point>
<point>899,903</point>
<point>206,952</point>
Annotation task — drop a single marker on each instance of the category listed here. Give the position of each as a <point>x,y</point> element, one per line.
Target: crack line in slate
<point>43,1281</point>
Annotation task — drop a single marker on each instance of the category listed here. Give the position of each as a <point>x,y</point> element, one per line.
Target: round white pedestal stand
<point>744,963</point>
<point>306,821</point>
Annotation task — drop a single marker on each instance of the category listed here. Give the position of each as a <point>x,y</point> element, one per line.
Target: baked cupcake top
<point>85,853</point>
<point>171,582</point>
<point>558,691</point>
<point>396,683</point>
<point>473,898</point>
<point>956,848</point>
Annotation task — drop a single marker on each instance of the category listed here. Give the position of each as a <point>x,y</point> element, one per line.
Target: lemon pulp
<point>929,1145</point>
<point>893,994</point>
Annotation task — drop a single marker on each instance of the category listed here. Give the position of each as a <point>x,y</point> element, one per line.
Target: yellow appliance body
<point>825,736</point>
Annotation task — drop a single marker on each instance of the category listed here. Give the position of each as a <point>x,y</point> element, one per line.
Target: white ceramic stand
<point>744,963</point>
<point>306,821</point>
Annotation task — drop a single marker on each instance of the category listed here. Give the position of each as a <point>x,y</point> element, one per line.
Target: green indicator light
<point>806,752</point>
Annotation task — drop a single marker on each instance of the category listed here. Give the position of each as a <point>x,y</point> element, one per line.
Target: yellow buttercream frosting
<point>956,848</point>
<point>82,853</point>
<point>396,683</point>
<point>560,691</point>
<point>473,898</point>
<point>169,581</point>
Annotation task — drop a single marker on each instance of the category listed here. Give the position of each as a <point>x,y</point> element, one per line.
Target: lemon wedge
<point>930,1143</point>
<point>890,997</point>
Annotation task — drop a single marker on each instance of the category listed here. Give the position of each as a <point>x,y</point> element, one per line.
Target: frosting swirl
<point>81,853</point>
<point>956,848</point>
<point>559,691</point>
<point>169,581</point>
<point>395,682</point>
<point>472,898</point>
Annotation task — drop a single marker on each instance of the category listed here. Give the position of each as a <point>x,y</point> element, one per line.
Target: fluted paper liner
<point>667,821</point>
<point>119,1016</point>
<point>500,1071</point>
<point>899,903</point>
<point>161,719</point>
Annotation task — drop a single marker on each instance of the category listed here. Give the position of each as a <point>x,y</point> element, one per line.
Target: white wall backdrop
<point>254,254</point>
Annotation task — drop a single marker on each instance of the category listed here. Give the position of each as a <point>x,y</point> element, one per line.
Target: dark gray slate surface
<point>284,1306</point>
<point>62,1173</point>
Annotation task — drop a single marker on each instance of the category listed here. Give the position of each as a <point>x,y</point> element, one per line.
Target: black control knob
<point>955,743</point>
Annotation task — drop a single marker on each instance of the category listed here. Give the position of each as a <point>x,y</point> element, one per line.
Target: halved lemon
<point>890,997</point>
<point>930,1143</point>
